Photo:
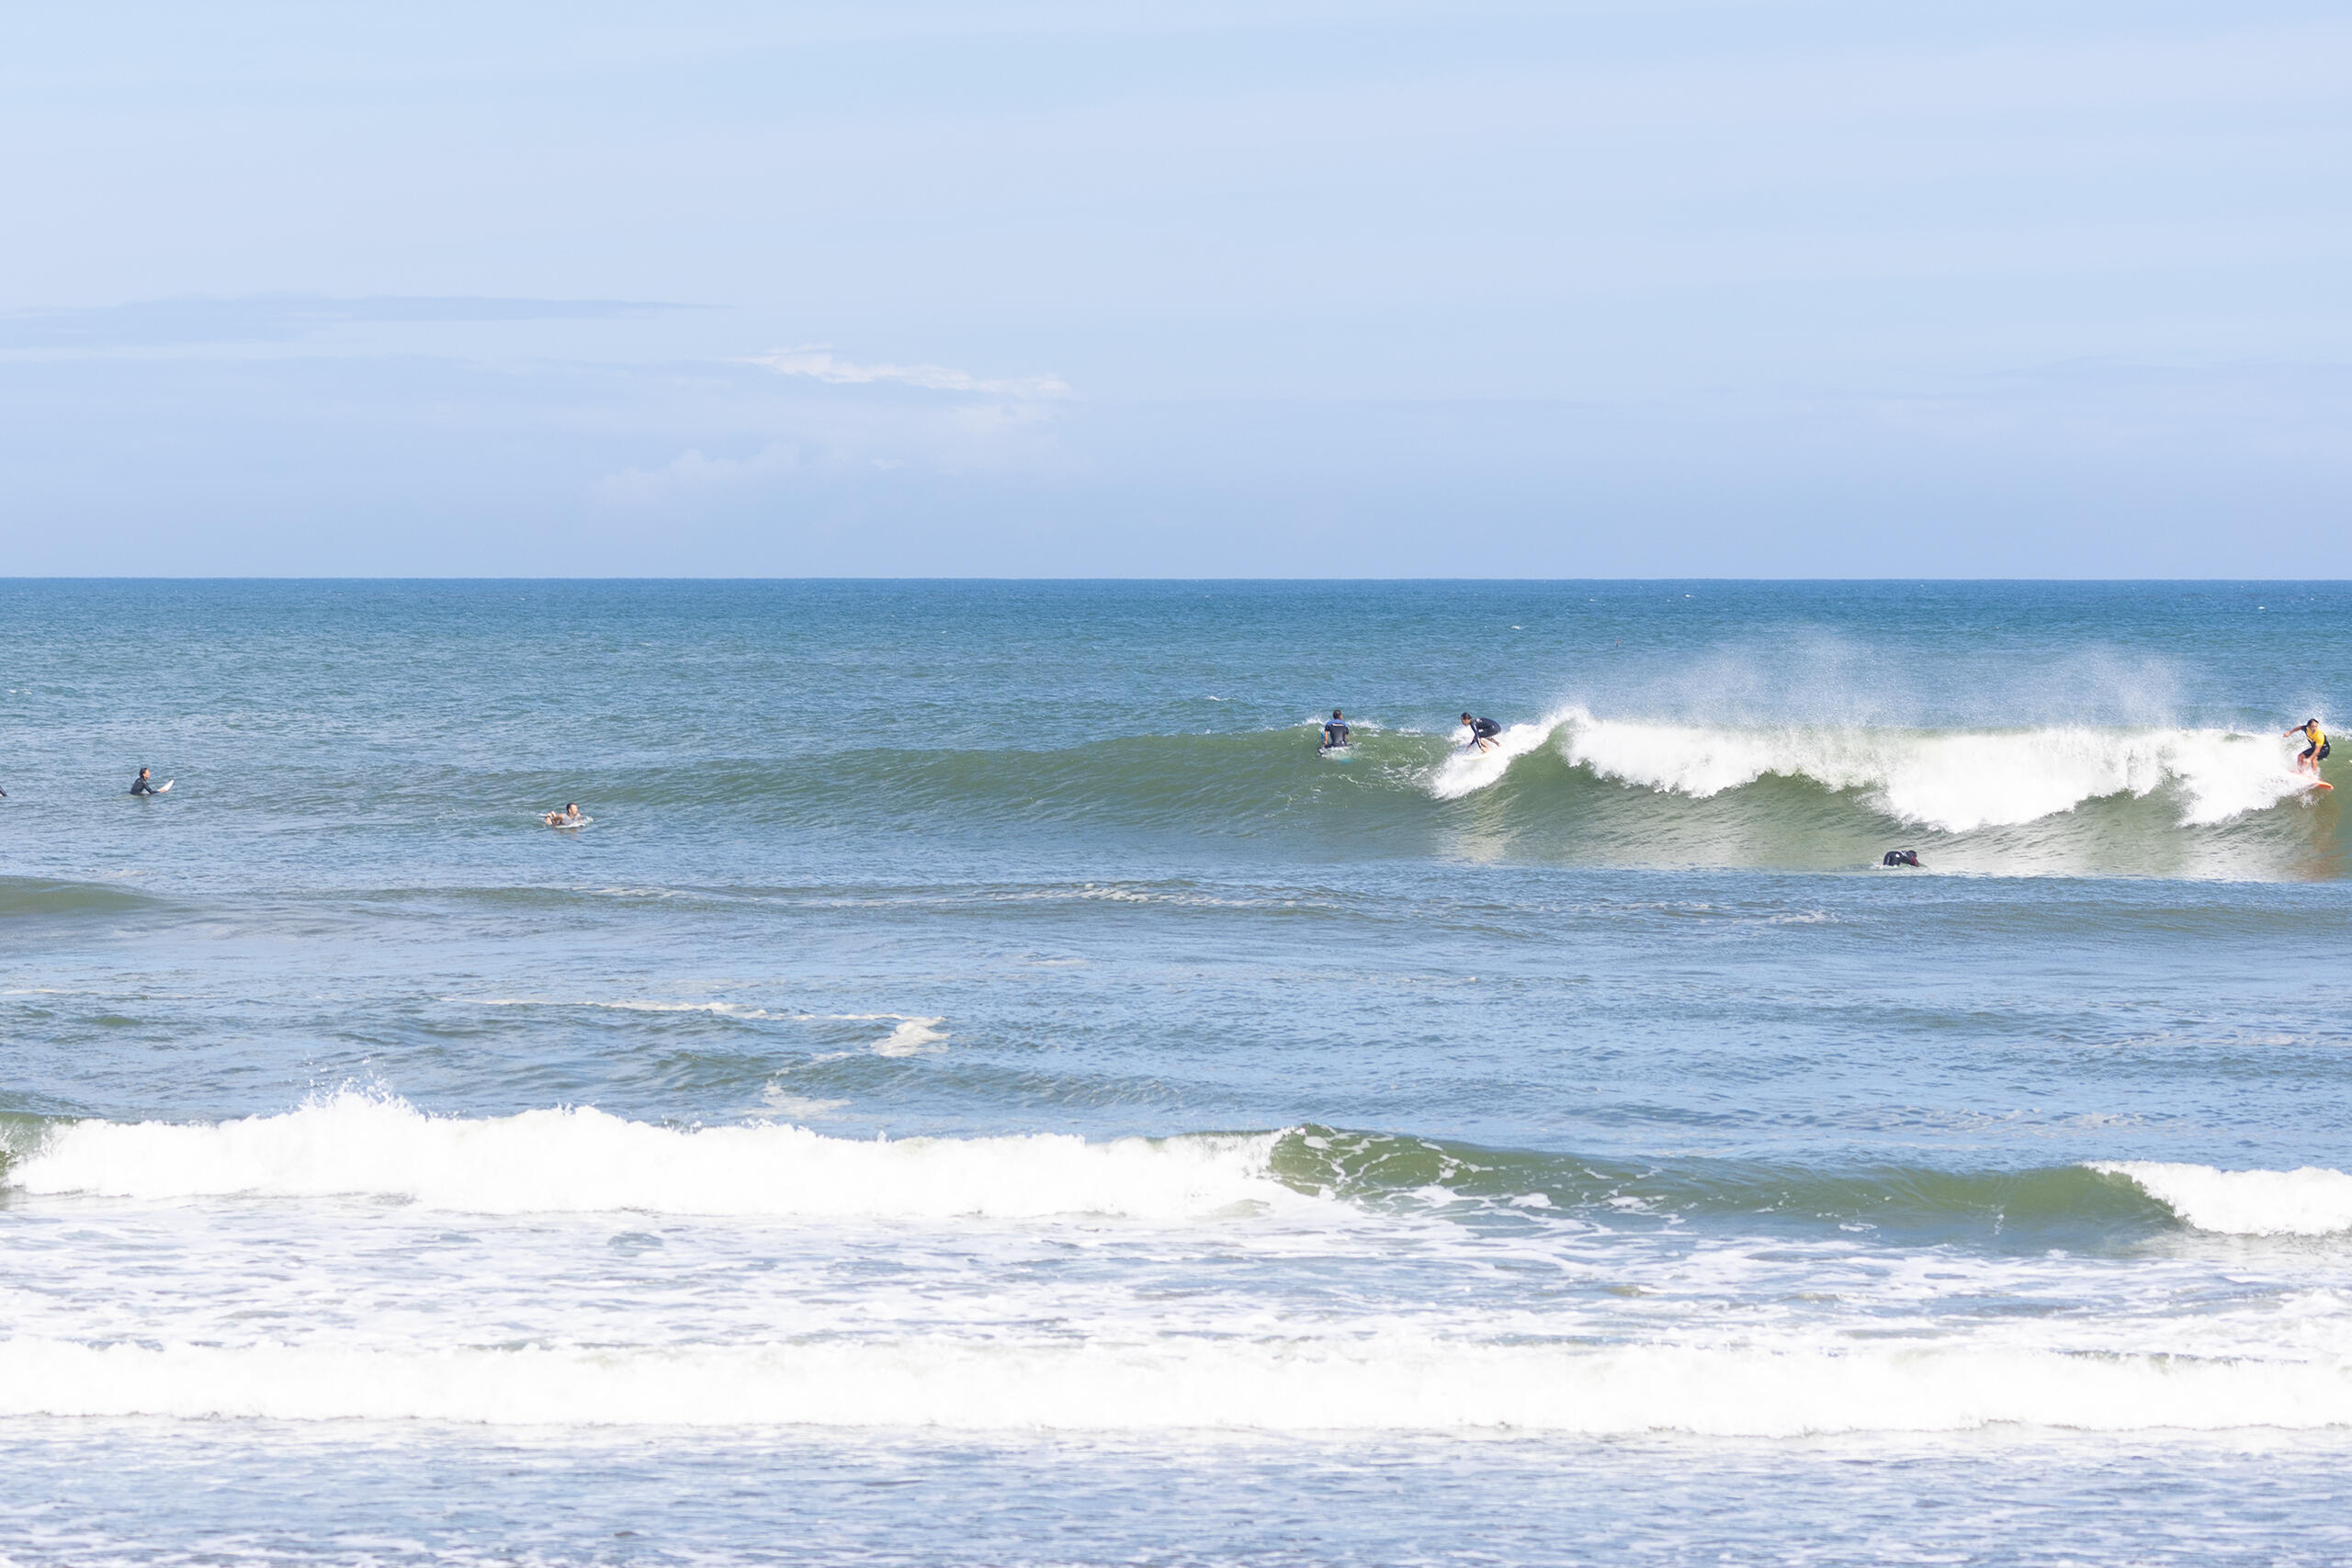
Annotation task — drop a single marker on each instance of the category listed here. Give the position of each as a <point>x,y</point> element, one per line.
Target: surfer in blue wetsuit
<point>144,784</point>
<point>1335,732</point>
<point>1482,732</point>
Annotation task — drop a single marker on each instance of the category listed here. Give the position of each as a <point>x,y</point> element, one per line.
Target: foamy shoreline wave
<point>583,1160</point>
<point>1406,1382</point>
<point>579,1160</point>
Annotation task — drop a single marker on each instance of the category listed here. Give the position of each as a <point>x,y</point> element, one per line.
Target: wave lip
<point>1401,1381</point>
<point>583,1160</point>
<point>2313,1200</point>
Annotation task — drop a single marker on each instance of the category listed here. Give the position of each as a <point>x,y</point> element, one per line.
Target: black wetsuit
<point>142,786</point>
<point>1484,730</point>
<point>1335,735</point>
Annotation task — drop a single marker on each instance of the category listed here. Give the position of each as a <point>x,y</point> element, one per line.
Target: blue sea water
<point>981,1088</point>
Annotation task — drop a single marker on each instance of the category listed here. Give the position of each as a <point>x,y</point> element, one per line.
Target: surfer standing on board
<point>2316,752</point>
<point>1482,732</point>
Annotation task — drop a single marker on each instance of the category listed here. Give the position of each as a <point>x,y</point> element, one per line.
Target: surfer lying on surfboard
<point>570,817</point>
<point>2313,754</point>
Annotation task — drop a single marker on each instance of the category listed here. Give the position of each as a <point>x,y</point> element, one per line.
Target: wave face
<point>1576,786</point>
<point>2068,799</point>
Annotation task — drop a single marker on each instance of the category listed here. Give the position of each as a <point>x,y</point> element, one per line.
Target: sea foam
<point>1403,1382</point>
<point>1953,780</point>
<point>2313,1200</point>
<point>581,1160</point>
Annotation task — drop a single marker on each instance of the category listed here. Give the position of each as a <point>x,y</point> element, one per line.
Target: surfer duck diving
<point>2313,753</point>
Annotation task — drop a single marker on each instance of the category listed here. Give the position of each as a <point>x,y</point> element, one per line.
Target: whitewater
<point>987,1091</point>
<point>1950,782</point>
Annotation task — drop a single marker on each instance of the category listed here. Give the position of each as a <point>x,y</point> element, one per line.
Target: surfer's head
<point>1465,718</point>
<point>1335,713</point>
<point>143,771</point>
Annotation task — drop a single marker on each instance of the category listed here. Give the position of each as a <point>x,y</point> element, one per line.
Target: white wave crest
<point>1469,769</point>
<point>1953,780</point>
<point>1395,1382</point>
<point>2313,1200</point>
<point>584,1161</point>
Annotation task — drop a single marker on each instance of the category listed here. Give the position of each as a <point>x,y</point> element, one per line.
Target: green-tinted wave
<point>2063,1205</point>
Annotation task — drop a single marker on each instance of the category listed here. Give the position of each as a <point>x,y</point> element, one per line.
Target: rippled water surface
<point>981,1088</point>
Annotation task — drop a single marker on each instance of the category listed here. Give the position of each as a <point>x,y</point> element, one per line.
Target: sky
<point>1284,288</point>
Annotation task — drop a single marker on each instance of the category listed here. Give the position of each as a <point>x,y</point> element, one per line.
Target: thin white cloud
<point>691,473</point>
<point>824,364</point>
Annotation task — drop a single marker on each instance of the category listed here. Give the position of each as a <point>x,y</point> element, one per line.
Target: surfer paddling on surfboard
<point>570,817</point>
<point>1482,732</point>
<point>1335,733</point>
<point>2313,754</point>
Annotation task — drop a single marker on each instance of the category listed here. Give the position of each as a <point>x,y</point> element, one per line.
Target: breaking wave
<point>2310,1202</point>
<point>1954,781</point>
<point>1585,787</point>
<point>581,1160</point>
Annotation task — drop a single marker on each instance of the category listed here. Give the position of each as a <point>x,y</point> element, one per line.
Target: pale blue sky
<point>1475,290</point>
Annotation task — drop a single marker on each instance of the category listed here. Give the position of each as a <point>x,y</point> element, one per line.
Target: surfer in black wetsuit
<point>1901,857</point>
<point>144,784</point>
<point>1482,731</point>
<point>1335,733</point>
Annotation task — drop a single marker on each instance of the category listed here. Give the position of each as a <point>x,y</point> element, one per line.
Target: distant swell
<point>1401,1381</point>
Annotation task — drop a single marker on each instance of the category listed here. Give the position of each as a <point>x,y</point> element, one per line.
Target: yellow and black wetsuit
<point>2317,750</point>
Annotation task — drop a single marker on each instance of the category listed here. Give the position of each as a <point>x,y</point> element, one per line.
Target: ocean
<point>981,1089</point>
